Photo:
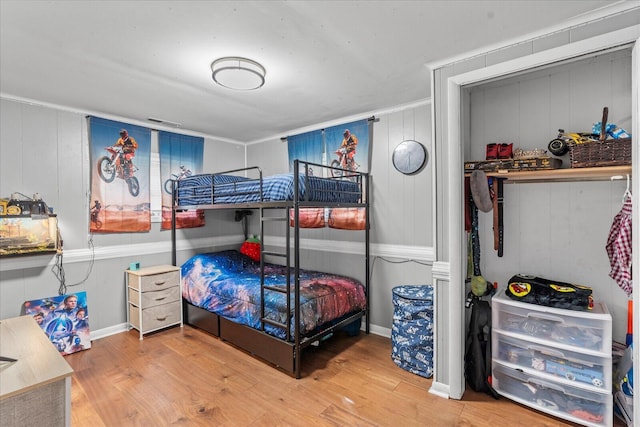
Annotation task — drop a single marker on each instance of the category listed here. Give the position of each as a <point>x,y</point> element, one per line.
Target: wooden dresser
<point>35,390</point>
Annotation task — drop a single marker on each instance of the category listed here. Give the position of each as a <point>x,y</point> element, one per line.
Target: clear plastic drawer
<point>582,406</point>
<point>583,330</point>
<point>553,363</point>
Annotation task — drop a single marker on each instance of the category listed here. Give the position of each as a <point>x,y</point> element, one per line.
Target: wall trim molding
<point>111,330</point>
<point>117,251</point>
<point>122,327</point>
<point>143,123</point>
<point>441,271</point>
<point>353,118</point>
<point>157,126</point>
<point>381,331</point>
<point>423,253</point>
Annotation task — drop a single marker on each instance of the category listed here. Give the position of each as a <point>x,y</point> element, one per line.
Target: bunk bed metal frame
<point>285,354</point>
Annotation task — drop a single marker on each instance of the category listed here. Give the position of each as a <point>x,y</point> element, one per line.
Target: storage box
<point>610,152</point>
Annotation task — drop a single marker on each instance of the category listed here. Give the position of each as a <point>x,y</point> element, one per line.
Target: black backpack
<point>477,358</point>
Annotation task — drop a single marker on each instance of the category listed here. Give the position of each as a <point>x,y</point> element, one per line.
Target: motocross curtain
<point>308,147</point>
<point>360,129</point>
<point>349,218</point>
<point>120,196</point>
<point>322,147</point>
<point>180,157</point>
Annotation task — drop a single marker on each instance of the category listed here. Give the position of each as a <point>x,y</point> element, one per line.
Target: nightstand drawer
<point>155,317</point>
<point>153,298</point>
<point>157,282</point>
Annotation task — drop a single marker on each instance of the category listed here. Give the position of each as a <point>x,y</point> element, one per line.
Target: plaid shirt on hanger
<point>619,247</point>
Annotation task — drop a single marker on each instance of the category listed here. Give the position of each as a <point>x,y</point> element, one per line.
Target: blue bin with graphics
<point>412,329</point>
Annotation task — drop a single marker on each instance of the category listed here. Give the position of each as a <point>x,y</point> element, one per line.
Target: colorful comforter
<point>209,189</point>
<point>228,283</point>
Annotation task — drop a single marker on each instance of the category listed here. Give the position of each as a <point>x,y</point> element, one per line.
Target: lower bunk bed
<point>222,293</point>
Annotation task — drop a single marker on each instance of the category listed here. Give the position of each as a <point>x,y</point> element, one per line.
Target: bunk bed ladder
<point>266,288</point>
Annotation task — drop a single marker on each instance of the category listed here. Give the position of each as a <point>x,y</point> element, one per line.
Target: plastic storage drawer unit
<point>554,360</point>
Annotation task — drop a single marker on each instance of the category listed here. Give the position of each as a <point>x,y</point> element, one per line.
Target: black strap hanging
<point>500,197</point>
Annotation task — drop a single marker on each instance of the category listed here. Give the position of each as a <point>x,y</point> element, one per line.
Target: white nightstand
<point>153,298</point>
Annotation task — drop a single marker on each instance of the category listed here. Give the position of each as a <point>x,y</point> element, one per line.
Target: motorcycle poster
<point>64,320</point>
<point>120,165</point>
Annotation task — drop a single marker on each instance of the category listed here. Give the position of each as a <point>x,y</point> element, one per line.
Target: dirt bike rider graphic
<point>118,163</point>
<point>349,143</point>
<point>95,213</point>
<point>129,147</point>
<point>95,209</point>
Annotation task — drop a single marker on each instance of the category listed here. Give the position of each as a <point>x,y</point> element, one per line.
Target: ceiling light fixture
<point>238,73</point>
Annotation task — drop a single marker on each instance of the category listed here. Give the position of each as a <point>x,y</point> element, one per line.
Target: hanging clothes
<point>619,247</point>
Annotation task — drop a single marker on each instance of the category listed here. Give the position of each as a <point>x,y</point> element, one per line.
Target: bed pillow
<point>347,218</point>
<point>251,248</point>
<point>309,218</point>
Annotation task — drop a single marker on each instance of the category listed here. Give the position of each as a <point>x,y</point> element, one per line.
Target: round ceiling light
<point>238,73</point>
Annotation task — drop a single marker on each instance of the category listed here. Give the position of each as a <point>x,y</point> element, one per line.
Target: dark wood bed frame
<point>273,350</point>
<point>286,355</point>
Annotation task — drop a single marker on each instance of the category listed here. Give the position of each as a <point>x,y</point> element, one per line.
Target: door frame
<point>626,37</point>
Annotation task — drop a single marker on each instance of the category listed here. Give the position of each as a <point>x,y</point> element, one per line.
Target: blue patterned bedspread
<point>228,283</point>
<point>209,189</point>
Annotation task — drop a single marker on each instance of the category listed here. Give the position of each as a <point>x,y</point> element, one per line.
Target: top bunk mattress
<point>209,189</point>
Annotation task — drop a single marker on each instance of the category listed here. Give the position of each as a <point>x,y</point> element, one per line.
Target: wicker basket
<point>611,152</point>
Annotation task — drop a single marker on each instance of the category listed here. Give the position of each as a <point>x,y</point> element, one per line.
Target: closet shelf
<point>558,175</point>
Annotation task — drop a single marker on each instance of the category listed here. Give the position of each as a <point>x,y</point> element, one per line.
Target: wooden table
<point>37,387</point>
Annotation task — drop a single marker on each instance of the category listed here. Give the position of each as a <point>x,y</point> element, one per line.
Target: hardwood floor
<point>183,376</point>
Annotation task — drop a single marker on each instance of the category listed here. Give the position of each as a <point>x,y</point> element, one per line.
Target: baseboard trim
<point>440,389</point>
<point>122,327</point>
<point>379,330</point>
<point>111,330</point>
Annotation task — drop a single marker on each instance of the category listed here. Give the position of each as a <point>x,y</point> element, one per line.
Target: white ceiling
<point>325,60</point>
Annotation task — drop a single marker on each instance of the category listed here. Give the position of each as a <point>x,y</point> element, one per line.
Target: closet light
<point>238,73</point>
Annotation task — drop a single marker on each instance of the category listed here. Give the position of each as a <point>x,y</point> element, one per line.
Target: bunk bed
<point>272,310</point>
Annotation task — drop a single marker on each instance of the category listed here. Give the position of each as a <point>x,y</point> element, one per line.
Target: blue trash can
<point>412,329</point>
